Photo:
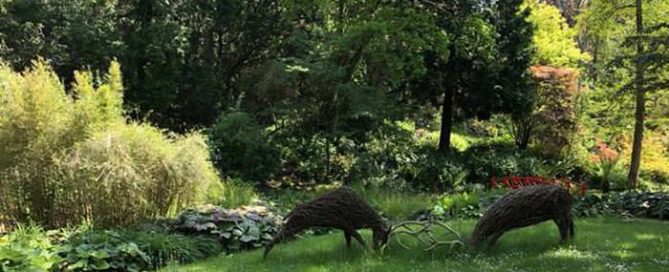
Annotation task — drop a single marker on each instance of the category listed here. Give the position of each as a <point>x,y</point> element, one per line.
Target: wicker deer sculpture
<point>343,209</point>
<point>525,207</point>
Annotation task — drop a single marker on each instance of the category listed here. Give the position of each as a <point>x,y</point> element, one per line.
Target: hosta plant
<point>237,229</point>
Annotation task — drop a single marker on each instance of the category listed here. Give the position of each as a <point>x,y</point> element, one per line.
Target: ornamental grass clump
<point>606,159</point>
<point>67,158</point>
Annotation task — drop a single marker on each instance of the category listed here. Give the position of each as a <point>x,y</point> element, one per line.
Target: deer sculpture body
<point>524,207</point>
<point>342,209</point>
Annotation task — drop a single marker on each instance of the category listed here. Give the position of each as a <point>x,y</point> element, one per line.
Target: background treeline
<point>124,113</point>
<point>422,95</point>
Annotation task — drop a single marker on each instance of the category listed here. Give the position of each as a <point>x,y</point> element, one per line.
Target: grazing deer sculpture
<point>342,209</point>
<point>525,207</point>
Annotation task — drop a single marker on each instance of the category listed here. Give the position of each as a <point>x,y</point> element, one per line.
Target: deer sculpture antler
<point>423,232</point>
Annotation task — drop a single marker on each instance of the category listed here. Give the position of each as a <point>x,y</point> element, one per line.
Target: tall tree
<point>337,69</point>
<point>633,59</point>
<point>458,83</point>
<point>515,55</point>
<point>183,58</point>
<point>640,112</point>
<point>650,65</point>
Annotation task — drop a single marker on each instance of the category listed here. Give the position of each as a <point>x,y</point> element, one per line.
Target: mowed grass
<point>603,244</point>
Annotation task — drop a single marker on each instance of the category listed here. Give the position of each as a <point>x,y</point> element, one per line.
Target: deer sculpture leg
<point>571,226</point>
<point>357,237</point>
<point>494,237</point>
<point>566,227</point>
<point>563,228</point>
<point>347,236</point>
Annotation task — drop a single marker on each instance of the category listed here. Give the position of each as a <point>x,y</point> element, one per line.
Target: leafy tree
<point>455,82</point>
<point>181,59</point>
<point>553,39</point>
<point>216,41</point>
<point>554,117</point>
<point>240,148</point>
<point>569,9</point>
<point>341,62</point>
<point>515,55</point>
<point>70,34</point>
<point>650,63</point>
<point>635,35</point>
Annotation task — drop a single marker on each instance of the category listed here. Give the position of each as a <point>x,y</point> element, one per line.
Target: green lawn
<point>603,244</point>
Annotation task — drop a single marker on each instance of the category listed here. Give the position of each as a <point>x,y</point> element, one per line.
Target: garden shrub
<point>163,248</point>
<point>304,160</point>
<point>434,172</point>
<point>626,204</point>
<point>237,193</point>
<point>466,204</point>
<point>395,160</point>
<point>82,249</point>
<point>379,159</point>
<point>240,148</point>
<point>65,158</point>
<point>131,172</point>
<point>555,115</point>
<point>485,162</point>
<point>103,251</point>
<point>28,249</point>
<point>458,205</point>
<point>236,229</point>
<point>635,204</point>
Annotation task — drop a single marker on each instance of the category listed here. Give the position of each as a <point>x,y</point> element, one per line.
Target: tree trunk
<point>640,103</point>
<point>522,130</point>
<point>446,121</point>
<point>327,158</point>
<point>606,185</point>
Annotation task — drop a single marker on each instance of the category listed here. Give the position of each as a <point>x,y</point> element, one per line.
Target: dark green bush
<point>240,229</point>
<point>484,162</point>
<point>467,204</point>
<point>163,248</point>
<point>634,204</point>
<point>394,160</point>
<point>240,148</point>
<point>434,172</point>
<point>627,204</point>
<point>103,251</point>
<point>379,160</point>
<point>32,249</point>
<point>305,160</point>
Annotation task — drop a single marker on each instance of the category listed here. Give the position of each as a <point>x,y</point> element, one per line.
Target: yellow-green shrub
<point>654,157</point>
<point>65,159</point>
<point>132,171</point>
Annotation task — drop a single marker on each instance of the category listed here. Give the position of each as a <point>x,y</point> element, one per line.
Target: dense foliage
<point>417,104</point>
<point>32,249</point>
<point>236,229</point>
<point>621,204</point>
<point>69,158</point>
<point>28,249</point>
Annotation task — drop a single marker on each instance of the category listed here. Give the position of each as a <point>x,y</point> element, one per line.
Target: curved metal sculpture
<point>423,231</point>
